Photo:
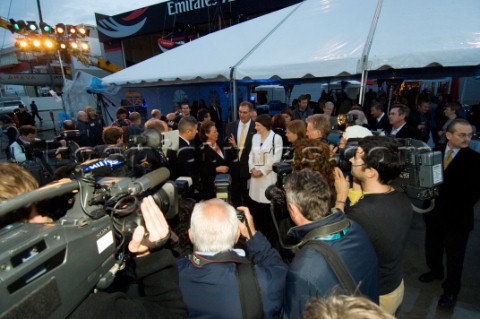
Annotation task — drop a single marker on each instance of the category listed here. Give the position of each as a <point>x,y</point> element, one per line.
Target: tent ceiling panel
<point>207,58</point>
<point>322,38</point>
<point>415,34</point>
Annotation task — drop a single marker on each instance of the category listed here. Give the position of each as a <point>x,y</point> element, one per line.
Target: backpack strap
<point>248,288</point>
<point>337,265</point>
<point>249,291</point>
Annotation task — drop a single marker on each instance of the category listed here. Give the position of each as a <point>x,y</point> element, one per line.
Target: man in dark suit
<point>216,116</point>
<point>420,119</point>
<point>379,122</point>
<point>398,120</point>
<point>183,162</point>
<point>239,136</point>
<point>449,224</point>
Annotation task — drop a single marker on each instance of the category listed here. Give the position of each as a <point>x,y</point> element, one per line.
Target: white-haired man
<point>208,279</point>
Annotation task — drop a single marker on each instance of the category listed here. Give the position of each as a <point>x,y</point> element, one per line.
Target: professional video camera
<point>50,268</point>
<point>423,172</point>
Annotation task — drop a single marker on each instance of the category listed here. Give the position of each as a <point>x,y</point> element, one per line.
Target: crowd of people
<point>348,228</point>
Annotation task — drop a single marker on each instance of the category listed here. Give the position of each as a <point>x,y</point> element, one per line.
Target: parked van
<point>10,105</point>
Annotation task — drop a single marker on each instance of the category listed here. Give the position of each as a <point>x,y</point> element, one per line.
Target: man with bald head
<point>208,278</point>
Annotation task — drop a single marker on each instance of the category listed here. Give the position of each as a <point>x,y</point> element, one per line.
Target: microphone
<point>149,180</point>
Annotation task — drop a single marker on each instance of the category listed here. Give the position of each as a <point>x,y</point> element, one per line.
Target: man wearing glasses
<point>384,212</point>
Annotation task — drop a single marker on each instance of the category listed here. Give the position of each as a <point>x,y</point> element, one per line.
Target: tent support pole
<point>366,51</point>
<point>233,95</point>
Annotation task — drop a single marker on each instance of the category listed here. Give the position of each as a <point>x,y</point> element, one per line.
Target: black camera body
<point>58,264</point>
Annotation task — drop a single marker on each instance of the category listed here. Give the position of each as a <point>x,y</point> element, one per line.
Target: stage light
<point>46,28</point>
<point>71,30</point>
<point>49,44</point>
<point>60,29</point>
<point>84,46</point>
<point>37,44</point>
<point>83,31</point>
<point>62,45</point>
<point>22,43</point>
<point>32,26</point>
<point>74,45</point>
<point>18,25</point>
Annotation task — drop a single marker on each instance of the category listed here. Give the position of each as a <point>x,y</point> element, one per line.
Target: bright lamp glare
<point>36,43</point>
<point>49,44</point>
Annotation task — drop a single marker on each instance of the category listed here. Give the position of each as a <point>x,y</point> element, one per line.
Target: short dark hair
<point>204,129</point>
<point>202,113</point>
<point>278,121</point>
<point>24,130</point>
<point>246,103</point>
<point>320,123</point>
<point>120,110</point>
<point>454,106</point>
<point>187,123</point>
<point>402,109</point>
<point>377,105</point>
<point>309,191</point>
<point>265,120</point>
<point>382,154</point>
<point>111,134</point>
<point>455,122</point>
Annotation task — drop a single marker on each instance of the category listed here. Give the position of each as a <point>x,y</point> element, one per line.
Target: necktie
<point>448,159</point>
<point>243,135</point>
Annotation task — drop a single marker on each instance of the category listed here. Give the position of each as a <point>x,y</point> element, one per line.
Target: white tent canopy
<point>325,38</point>
<point>417,34</point>
<point>206,59</point>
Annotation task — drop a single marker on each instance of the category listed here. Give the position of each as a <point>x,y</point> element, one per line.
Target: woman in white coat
<point>266,149</point>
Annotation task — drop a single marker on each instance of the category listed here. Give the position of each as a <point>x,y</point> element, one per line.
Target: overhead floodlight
<point>45,28</point>
<point>18,25</point>
<point>32,26</point>
<point>83,31</point>
<point>22,43</point>
<point>84,46</point>
<point>60,29</point>
<point>49,44</point>
<point>71,29</point>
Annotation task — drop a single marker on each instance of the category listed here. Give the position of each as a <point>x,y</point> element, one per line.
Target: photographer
<point>311,273</point>
<point>384,212</point>
<point>156,271</point>
<point>209,280</point>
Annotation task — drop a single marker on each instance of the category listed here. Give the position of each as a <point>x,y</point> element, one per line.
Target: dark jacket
<point>382,125</point>
<point>96,130</point>
<point>162,298</point>
<point>406,132</point>
<point>211,291</point>
<point>208,161</point>
<point>183,163</point>
<point>309,275</point>
<point>459,191</point>
<point>242,163</point>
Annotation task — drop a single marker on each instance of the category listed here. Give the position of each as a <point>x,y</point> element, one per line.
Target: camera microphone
<point>149,180</point>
